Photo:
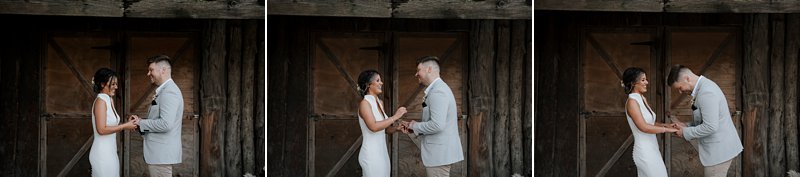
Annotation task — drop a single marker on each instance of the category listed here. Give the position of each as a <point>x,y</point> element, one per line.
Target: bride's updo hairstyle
<point>364,79</point>
<point>102,76</point>
<point>630,76</point>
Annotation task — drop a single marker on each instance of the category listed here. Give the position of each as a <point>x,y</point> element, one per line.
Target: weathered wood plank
<point>297,109</point>
<point>233,149</point>
<point>545,127</point>
<point>790,116</point>
<point>567,108</point>
<point>481,96</point>
<point>450,9</point>
<point>756,53</point>
<point>501,140</point>
<point>10,102</point>
<point>527,115</point>
<point>212,94</point>
<point>518,53</point>
<point>27,152</point>
<point>599,5</point>
<point>260,116</point>
<point>759,6</point>
<point>92,8</point>
<point>230,9</point>
<point>356,8</point>
<point>776,142</point>
<point>249,57</point>
<point>277,105</point>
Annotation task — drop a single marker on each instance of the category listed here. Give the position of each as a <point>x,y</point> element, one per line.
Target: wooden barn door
<point>334,133</point>
<point>70,62</point>
<point>451,50</point>
<point>713,53</point>
<point>605,137</point>
<point>66,130</point>
<point>182,49</point>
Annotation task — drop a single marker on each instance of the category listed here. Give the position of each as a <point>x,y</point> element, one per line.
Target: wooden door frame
<point>193,40</point>
<point>584,114</point>
<point>729,41</point>
<point>47,41</point>
<point>314,117</point>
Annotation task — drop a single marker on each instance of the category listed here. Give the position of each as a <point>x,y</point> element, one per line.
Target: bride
<point>642,122</point>
<point>105,124</point>
<point>374,157</point>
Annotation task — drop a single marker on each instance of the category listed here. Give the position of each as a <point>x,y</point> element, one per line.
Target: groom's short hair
<point>430,59</point>
<point>162,60</point>
<point>675,74</point>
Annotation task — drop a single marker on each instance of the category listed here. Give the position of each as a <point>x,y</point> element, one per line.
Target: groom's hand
<point>680,131</point>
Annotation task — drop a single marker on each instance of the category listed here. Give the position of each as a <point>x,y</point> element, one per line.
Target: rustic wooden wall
<point>20,107</point>
<point>498,90</point>
<point>768,84</point>
<point>241,131</point>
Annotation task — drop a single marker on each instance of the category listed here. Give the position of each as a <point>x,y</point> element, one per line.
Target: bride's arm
<point>100,120</point>
<point>365,110</point>
<point>638,120</point>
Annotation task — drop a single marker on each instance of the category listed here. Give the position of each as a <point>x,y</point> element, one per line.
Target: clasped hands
<point>133,122</point>
<point>676,127</point>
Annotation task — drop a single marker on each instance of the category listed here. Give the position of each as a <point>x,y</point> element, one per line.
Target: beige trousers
<point>160,170</point>
<point>438,171</point>
<point>718,170</point>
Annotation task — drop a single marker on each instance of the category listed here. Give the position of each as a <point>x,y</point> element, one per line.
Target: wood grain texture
<point>776,150</point>
<point>755,96</point>
<point>518,54</point>
<point>455,9</point>
<point>600,5</point>
<point>357,8</point>
<point>233,146</point>
<point>249,57</point>
<point>213,94</point>
<point>231,9</point>
<point>481,90</point>
<point>92,8</point>
<point>790,116</point>
<point>501,140</point>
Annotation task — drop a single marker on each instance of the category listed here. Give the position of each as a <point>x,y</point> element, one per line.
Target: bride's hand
<point>670,130</point>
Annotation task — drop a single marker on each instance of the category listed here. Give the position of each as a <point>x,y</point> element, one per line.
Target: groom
<point>712,125</point>
<point>162,127</point>
<point>438,129</point>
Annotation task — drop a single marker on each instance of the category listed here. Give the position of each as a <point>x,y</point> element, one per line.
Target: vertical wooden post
<point>28,136</point>
<point>277,94</point>
<point>233,149</point>
<point>518,52</point>
<point>777,102</point>
<point>527,108</point>
<point>481,90</point>
<point>298,105</point>
<point>212,93</point>
<point>792,47</point>
<point>11,79</point>
<point>249,58</point>
<point>756,55</point>
<point>501,141</point>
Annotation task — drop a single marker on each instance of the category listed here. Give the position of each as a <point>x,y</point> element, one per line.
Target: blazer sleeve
<point>437,101</point>
<point>709,112</point>
<point>168,104</point>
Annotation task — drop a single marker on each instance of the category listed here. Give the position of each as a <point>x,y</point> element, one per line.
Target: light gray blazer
<point>438,129</point>
<point>162,128</point>
<point>713,126</point>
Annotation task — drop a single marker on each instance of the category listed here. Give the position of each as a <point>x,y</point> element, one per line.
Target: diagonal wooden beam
<point>711,59</point>
<point>605,56</point>
<point>68,61</point>
<point>615,157</point>
<point>338,64</point>
<point>76,157</point>
<point>178,55</point>
<point>346,156</point>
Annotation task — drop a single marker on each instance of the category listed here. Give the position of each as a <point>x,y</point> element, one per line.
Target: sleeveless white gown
<point>373,157</point>
<point>103,155</point>
<point>646,155</point>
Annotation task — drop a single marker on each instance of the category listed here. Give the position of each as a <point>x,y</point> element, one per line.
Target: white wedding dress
<point>646,155</point>
<point>103,156</point>
<point>373,157</point>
